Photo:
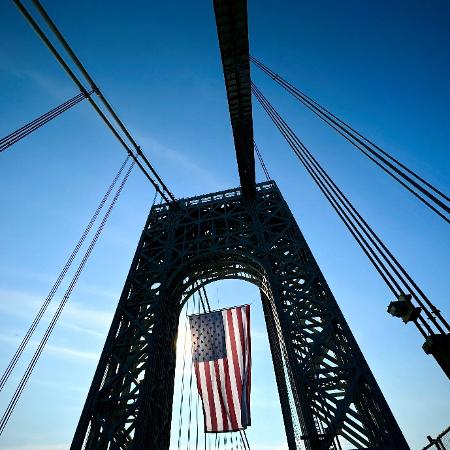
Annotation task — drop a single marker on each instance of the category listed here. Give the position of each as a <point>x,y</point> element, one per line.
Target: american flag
<point>222,363</point>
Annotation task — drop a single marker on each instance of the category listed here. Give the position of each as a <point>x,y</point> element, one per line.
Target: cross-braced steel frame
<point>324,383</point>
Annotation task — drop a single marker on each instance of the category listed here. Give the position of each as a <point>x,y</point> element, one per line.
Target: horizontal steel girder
<point>232,31</point>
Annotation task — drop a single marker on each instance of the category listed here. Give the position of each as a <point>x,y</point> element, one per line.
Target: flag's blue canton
<point>208,337</point>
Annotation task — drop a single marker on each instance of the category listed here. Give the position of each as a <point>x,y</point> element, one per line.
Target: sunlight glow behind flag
<point>222,364</point>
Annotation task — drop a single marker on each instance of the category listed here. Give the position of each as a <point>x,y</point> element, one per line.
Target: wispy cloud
<point>182,161</point>
<point>64,387</point>
<point>18,303</point>
<point>97,291</point>
<point>84,330</point>
<point>71,353</point>
<point>80,318</point>
<point>58,350</point>
<point>15,67</point>
<point>85,317</point>
<point>49,84</point>
<point>46,278</point>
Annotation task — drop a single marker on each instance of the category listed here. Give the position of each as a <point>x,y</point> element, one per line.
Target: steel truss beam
<point>232,32</point>
<point>326,387</point>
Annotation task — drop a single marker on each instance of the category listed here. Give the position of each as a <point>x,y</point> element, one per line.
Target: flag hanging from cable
<point>222,364</point>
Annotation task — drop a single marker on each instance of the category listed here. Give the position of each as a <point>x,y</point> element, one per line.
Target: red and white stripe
<point>224,384</point>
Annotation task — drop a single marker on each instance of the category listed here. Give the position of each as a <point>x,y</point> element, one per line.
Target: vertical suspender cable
<point>205,301</point>
<point>261,161</point>
<point>10,408</point>
<point>59,280</point>
<point>188,447</point>
<point>197,405</point>
<point>180,420</point>
<point>198,400</point>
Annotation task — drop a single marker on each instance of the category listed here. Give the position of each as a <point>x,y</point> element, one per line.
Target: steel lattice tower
<point>323,379</point>
<point>325,385</point>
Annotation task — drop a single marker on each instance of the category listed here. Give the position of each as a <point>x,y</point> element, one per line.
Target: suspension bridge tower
<point>324,383</point>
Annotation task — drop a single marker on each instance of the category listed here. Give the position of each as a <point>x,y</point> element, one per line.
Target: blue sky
<point>382,65</point>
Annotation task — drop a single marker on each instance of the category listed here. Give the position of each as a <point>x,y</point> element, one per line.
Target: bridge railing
<point>206,199</point>
<point>441,442</point>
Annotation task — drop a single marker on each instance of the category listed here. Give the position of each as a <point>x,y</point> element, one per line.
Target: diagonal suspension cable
<point>100,94</point>
<point>18,392</point>
<point>436,200</point>
<point>275,116</point>
<point>372,246</point>
<point>288,138</point>
<point>158,183</point>
<point>261,161</point>
<point>27,129</point>
<point>59,280</point>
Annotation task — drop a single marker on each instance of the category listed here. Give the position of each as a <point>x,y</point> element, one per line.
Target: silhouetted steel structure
<point>325,386</point>
<point>318,364</point>
<point>232,31</point>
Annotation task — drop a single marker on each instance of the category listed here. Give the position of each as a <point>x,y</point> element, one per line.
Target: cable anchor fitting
<point>95,89</point>
<point>85,93</point>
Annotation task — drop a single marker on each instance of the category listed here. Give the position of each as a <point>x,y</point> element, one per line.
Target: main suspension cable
<point>18,392</point>
<point>27,129</point>
<point>347,204</point>
<point>159,185</point>
<point>59,280</point>
<point>400,281</point>
<point>100,94</point>
<point>437,200</point>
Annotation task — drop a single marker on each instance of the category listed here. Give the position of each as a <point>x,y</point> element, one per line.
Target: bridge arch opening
<point>238,269</point>
<point>201,271</point>
<point>267,419</point>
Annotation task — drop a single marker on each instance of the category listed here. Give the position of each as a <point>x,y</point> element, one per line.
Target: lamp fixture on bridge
<point>404,308</point>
